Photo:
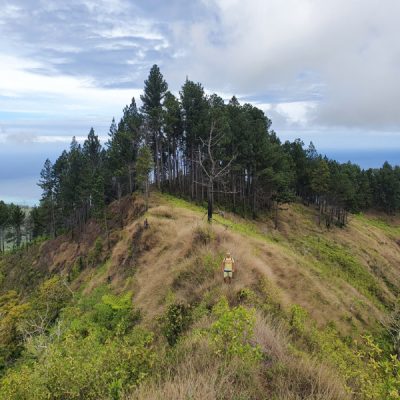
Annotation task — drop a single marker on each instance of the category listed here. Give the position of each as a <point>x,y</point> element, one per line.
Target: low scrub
<point>94,351</point>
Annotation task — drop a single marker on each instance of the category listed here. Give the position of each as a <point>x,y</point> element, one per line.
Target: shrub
<point>383,379</point>
<point>95,253</point>
<point>298,317</point>
<point>12,312</point>
<point>115,313</point>
<point>83,368</point>
<point>203,235</point>
<point>76,269</point>
<point>233,331</point>
<point>52,296</point>
<point>176,321</point>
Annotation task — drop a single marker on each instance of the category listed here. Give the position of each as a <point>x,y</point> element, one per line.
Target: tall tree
<point>38,224</point>
<point>47,184</point>
<point>4,220</point>
<point>17,217</point>
<point>212,159</point>
<point>93,159</point>
<point>144,165</point>
<point>155,88</point>
<point>194,113</point>
<point>173,134</point>
<point>123,144</point>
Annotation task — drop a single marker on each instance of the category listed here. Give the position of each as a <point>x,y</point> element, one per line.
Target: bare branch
<point>225,170</point>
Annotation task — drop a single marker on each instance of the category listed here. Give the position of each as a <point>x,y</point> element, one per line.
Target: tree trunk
<point>53,220</point>
<point>130,179</point>
<point>119,205</point>
<point>276,215</point>
<point>106,228</point>
<point>157,163</point>
<point>192,174</point>
<point>18,232</point>
<point>161,164</point>
<point>147,193</point>
<point>210,201</point>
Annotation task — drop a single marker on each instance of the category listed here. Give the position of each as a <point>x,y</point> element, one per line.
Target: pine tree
<point>38,224</point>
<point>155,88</point>
<point>47,184</point>
<point>4,220</point>
<point>144,165</point>
<point>92,153</point>
<point>17,217</point>
<point>174,136</point>
<point>122,148</point>
<point>194,113</point>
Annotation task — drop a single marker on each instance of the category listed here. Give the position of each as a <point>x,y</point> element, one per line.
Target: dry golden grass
<point>178,257</point>
<point>194,371</point>
<point>172,253</point>
<point>292,377</point>
<point>202,375</point>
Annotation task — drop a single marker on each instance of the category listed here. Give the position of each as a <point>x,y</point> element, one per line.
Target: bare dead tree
<point>213,170</point>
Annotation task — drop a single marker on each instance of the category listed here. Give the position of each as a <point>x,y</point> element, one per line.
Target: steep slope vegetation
<point>143,311</point>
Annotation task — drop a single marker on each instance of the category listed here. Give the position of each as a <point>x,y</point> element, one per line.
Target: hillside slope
<point>300,298</point>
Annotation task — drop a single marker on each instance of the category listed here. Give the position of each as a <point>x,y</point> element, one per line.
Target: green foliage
<point>298,316</point>
<point>94,254</point>
<point>52,296</point>
<point>232,332</point>
<point>83,368</point>
<point>115,313</point>
<point>319,179</point>
<point>93,352</point>
<point>392,230</point>
<point>264,297</point>
<point>368,371</point>
<point>175,321</point>
<point>335,260</point>
<point>77,268</point>
<point>144,164</point>
<point>383,380</point>
<point>12,312</point>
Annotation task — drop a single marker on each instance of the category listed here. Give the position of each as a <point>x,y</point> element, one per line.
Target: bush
<point>233,331</point>
<point>94,352</point>
<point>12,312</point>
<point>77,268</point>
<point>298,318</point>
<point>176,321</point>
<point>83,368</point>
<point>95,253</point>
<point>203,235</point>
<point>383,380</point>
<point>116,313</point>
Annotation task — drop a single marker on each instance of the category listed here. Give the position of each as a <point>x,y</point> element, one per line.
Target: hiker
<point>146,224</point>
<point>227,266</point>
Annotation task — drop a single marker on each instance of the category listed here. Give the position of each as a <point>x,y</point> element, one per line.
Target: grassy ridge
<point>151,318</point>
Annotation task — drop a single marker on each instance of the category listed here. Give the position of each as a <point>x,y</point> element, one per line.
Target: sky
<point>325,71</point>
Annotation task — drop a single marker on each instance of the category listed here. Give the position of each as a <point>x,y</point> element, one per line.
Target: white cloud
<point>139,29</point>
<point>23,139</point>
<point>346,53</point>
<point>58,94</point>
<point>292,113</point>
